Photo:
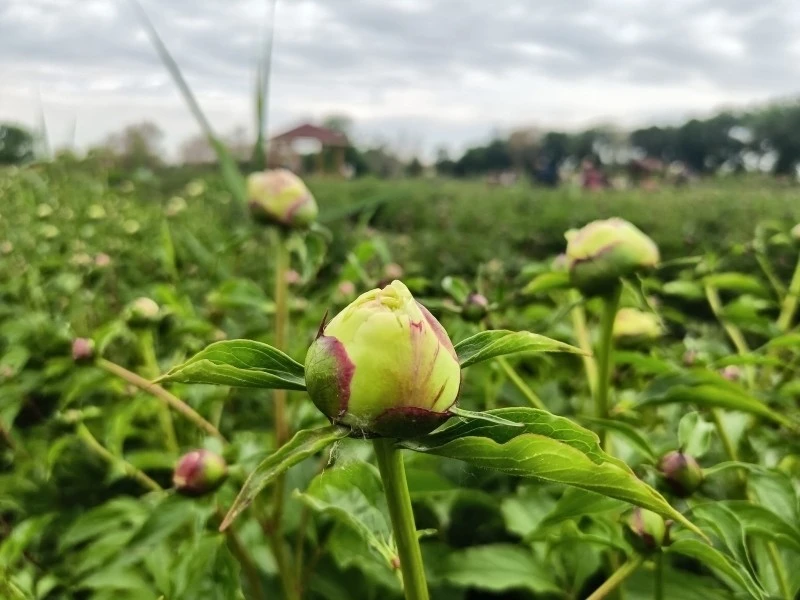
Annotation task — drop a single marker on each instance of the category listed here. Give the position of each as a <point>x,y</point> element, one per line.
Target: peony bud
<point>603,251</point>
<point>82,350</point>
<point>384,366</point>
<point>646,531</point>
<point>96,212</point>
<point>631,325</point>
<point>199,472</point>
<point>681,472</point>
<point>795,232</point>
<point>731,373</point>
<point>142,312</point>
<point>475,308</point>
<point>279,196</point>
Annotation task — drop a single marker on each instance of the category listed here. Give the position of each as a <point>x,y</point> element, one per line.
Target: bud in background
<point>278,196</point>
<point>475,308</point>
<point>604,251</point>
<point>646,531</point>
<point>199,472</point>
<point>731,373</point>
<point>795,232</point>
<point>384,366</point>
<point>142,312</point>
<point>82,350</point>
<point>632,326</point>
<point>681,472</point>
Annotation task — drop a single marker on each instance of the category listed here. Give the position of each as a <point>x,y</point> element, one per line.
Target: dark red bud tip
<point>199,472</point>
<point>681,473</point>
<point>646,531</point>
<point>475,308</point>
<point>82,350</point>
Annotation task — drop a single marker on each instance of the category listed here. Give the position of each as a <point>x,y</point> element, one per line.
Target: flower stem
<point>605,350</point>
<point>620,575</point>
<point>523,387</point>
<point>86,436</point>
<point>159,392</point>
<point>780,572</point>
<point>393,474</point>
<point>727,442</point>
<point>151,370</point>
<point>659,579</point>
<point>734,333</point>
<point>789,305</point>
<point>581,331</point>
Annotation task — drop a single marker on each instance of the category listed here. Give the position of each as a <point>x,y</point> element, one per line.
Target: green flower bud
<point>475,308</point>
<point>199,472</point>
<point>604,251</point>
<point>631,325</point>
<point>279,196</point>
<point>384,366</point>
<point>44,210</point>
<point>796,232</point>
<point>96,212</point>
<point>142,312</point>
<point>175,206</point>
<point>646,531</point>
<point>681,472</point>
<point>82,350</point>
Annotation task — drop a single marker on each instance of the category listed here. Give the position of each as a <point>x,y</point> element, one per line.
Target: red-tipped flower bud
<point>384,366</point>
<point>82,350</point>
<point>475,308</point>
<point>199,472</point>
<point>604,251</point>
<point>646,531</point>
<point>279,196</point>
<point>681,472</point>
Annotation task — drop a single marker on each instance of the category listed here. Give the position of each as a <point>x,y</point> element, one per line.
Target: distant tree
<point>16,144</point>
<point>338,122</point>
<point>414,168</point>
<point>445,166</point>
<point>777,129</point>
<point>138,145</point>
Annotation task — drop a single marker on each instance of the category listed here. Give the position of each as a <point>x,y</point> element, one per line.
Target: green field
<point>525,503</point>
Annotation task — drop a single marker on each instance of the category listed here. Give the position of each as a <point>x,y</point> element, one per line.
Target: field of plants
<point>197,401</point>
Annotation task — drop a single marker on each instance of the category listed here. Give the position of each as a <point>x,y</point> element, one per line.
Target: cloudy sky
<point>414,73</point>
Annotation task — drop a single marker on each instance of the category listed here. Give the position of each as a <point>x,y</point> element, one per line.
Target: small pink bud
<point>199,472</point>
<point>731,373</point>
<point>475,308</point>
<point>82,350</point>
<point>292,277</point>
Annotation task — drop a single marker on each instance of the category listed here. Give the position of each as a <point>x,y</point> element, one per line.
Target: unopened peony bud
<point>279,196</point>
<point>681,472</point>
<point>82,350</point>
<point>142,312</point>
<point>731,373</point>
<point>631,325</point>
<point>604,251</point>
<point>102,260</point>
<point>646,531</point>
<point>384,366</point>
<point>475,308</point>
<point>393,271</point>
<point>199,472</point>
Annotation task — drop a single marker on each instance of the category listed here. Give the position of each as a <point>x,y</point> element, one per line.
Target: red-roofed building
<point>288,148</point>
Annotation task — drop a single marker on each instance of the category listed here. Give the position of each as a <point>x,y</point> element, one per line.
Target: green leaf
<point>547,282</point>
<point>732,573</point>
<point>633,435</point>
<point>549,448</point>
<point>491,344</point>
<point>482,416</point>
<point>708,390</point>
<point>737,282</point>
<point>457,288</point>
<point>240,363</point>
<point>694,434</point>
<point>575,503</point>
<point>305,443</point>
<point>643,364</point>
<point>787,340</point>
<point>688,290</point>
<point>498,567</point>
<point>752,519</point>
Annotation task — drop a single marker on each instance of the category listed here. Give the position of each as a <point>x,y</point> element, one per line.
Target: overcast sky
<point>415,73</point>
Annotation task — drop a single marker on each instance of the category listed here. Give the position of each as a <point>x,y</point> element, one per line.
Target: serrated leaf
<point>547,282</point>
<point>707,389</point>
<point>734,574</point>
<point>548,448</point>
<point>498,342</point>
<point>304,444</point>
<point>240,363</point>
<point>498,567</point>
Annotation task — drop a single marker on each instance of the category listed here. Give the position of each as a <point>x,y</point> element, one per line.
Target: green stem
<point>734,333</point>
<point>789,306</point>
<point>605,350</point>
<point>246,561</point>
<point>393,474</point>
<point>780,572</point>
<point>523,387</point>
<point>727,443</point>
<point>159,392</point>
<point>86,436</point>
<point>777,286</point>
<point>584,341</point>
<point>620,575</point>
<point>151,370</point>
<point>659,579</point>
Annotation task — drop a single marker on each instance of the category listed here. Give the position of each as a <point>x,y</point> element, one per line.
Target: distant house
<point>288,148</point>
